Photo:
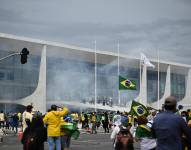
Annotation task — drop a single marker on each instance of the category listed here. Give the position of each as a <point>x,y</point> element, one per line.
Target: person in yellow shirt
<point>82,120</point>
<point>53,119</point>
<point>20,117</point>
<point>76,117</point>
<point>94,123</point>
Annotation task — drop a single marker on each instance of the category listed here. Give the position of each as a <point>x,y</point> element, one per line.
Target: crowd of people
<point>10,121</point>
<point>167,129</point>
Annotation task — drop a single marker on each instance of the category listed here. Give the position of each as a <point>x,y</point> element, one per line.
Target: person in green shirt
<point>144,135</point>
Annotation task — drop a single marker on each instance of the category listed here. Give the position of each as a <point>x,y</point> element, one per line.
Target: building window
<point>10,76</point>
<point>2,75</point>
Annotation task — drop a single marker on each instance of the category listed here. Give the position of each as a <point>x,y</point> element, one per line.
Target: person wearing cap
<point>168,127</point>
<point>53,119</point>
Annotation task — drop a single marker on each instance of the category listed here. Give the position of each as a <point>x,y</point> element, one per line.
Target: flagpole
<point>158,98</point>
<point>119,94</point>
<point>95,101</point>
<point>140,93</point>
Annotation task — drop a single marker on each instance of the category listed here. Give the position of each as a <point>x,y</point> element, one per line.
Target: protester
<point>86,121</point>
<point>27,117</point>
<point>65,137</point>
<point>184,115</point>
<point>98,120</point>
<point>106,123</point>
<point>169,127</point>
<point>2,119</point>
<point>94,124</point>
<point>8,120</point>
<point>82,119</point>
<point>34,135</point>
<point>123,139</point>
<point>144,134</point>
<point>117,116</point>
<point>53,119</point>
<point>15,122</point>
<point>19,114</point>
<point>115,131</point>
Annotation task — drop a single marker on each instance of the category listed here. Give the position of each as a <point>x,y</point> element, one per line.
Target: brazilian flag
<point>138,109</point>
<point>70,129</point>
<point>126,84</point>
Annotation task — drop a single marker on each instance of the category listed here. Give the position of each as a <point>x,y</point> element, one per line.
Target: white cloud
<point>146,24</point>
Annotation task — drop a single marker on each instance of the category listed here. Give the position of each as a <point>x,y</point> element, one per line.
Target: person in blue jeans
<point>54,142</point>
<point>53,119</point>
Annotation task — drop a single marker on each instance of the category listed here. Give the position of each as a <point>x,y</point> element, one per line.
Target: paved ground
<point>86,141</point>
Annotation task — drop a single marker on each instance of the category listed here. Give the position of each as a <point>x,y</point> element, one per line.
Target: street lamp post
<point>24,54</point>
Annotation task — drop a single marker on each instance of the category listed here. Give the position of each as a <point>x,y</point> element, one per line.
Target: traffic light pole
<point>9,56</point>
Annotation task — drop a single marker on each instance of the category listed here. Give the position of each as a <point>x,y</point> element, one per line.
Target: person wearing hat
<point>168,127</point>
<point>53,119</point>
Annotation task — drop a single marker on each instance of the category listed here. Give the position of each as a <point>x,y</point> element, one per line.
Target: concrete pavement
<point>86,141</point>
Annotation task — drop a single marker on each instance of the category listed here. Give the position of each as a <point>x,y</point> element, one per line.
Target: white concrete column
<point>143,98</point>
<point>167,91</point>
<point>38,98</point>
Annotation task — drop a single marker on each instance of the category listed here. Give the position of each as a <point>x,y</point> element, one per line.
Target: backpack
<point>124,140</point>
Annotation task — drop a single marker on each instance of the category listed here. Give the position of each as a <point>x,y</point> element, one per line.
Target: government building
<point>83,78</point>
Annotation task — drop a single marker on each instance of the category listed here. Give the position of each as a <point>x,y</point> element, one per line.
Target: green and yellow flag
<point>138,109</point>
<point>126,84</point>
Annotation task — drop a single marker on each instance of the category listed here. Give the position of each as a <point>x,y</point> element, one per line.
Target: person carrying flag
<point>144,134</point>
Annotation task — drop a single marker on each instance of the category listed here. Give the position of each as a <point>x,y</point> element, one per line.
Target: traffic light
<point>24,54</point>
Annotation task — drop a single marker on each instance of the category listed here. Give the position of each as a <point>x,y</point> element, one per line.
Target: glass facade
<point>152,85</point>
<point>74,79</point>
<point>71,75</point>
<point>69,80</point>
<point>18,80</point>
<point>178,85</point>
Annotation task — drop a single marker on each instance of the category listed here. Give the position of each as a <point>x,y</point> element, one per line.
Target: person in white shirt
<point>2,119</point>
<point>27,117</point>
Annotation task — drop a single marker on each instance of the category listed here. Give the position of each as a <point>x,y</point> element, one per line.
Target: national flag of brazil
<point>126,84</point>
<point>138,109</point>
<point>70,129</point>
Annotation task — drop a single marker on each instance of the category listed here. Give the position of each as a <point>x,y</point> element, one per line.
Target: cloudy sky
<point>139,25</point>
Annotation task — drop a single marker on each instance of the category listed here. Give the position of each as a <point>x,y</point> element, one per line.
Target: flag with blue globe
<point>126,84</point>
<point>138,109</point>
